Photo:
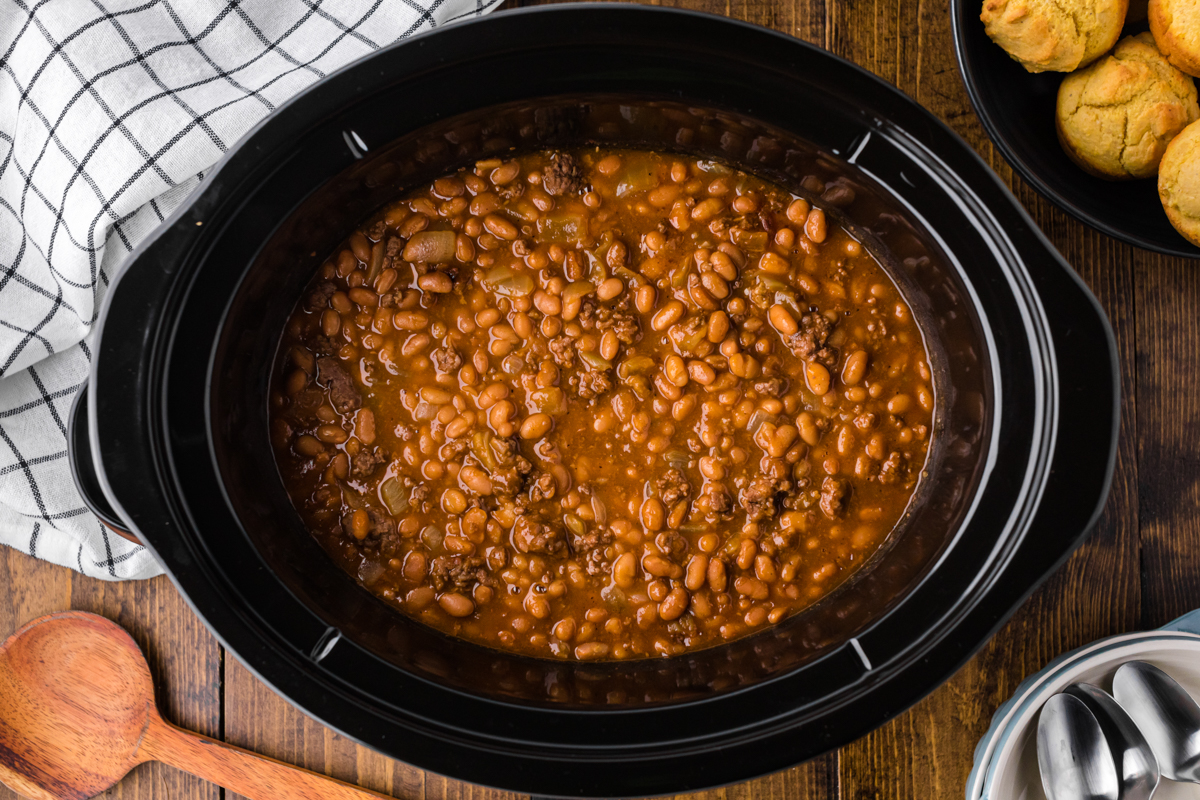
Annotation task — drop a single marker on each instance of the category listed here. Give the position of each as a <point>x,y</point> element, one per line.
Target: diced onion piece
<point>634,365</point>
<point>503,281</point>
<point>787,299</point>
<point>550,400</point>
<point>639,175</point>
<point>351,497</point>
<point>595,360</point>
<point>424,412</point>
<point>599,510</point>
<point>749,240</point>
<point>676,458</point>
<point>394,495</point>
<point>757,419</point>
<point>574,524</point>
<point>567,226</point>
<point>431,537</point>
<point>481,447</point>
<point>376,265</point>
<point>369,572</point>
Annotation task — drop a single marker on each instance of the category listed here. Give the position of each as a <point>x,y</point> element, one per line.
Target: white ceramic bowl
<point>1006,757</point>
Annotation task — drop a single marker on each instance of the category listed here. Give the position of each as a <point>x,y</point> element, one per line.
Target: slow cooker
<point>172,438</point>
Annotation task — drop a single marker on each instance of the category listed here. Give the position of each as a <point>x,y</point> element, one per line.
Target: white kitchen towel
<point>109,114</point>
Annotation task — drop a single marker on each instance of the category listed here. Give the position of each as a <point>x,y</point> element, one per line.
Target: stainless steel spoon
<point>1072,754</point>
<point>1166,714</point>
<point>1136,766</point>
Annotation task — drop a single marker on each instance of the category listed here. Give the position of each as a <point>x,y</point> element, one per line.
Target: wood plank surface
<point>1141,569</point>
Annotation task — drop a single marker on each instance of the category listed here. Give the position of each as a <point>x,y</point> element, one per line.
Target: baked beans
<point>603,404</point>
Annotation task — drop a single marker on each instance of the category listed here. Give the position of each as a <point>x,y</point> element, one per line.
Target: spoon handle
<point>241,771</point>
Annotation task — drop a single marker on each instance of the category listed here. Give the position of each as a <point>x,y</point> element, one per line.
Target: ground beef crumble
<point>452,449</point>
<point>509,479</point>
<point>381,523</point>
<point>446,359</point>
<point>419,494</point>
<point>673,545</point>
<point>458,573</point>
<point>891,470</point>
<point>531,536</point>
<point>672,487</point>
<point>511,191</point>
<point>320,295</point>
<point>621,319</point>
<point>717,499</point>
<point>507,482</point>
<point>773,387</point>
<point>543,487</point>
<point>364,463</point>
<point>591,384</point>
<point>342,394</point>
<point>303,406</point>
<point>809,341</point>
<point>564,175</point>
<point>327,494</point>
<point>562,350</point>
<point>322,346</point>
<point>508,453</point>
<point>758,498</point>
<point>589,549</point>
<point>833,496</point>
<point>864,421</point>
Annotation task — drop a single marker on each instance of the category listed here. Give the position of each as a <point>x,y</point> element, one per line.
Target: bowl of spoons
<point>1118,718</point>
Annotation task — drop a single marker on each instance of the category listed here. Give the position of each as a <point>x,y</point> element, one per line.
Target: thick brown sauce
<point>602,404</point>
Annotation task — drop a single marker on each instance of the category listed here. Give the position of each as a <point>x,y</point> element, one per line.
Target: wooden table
<point>1140,570</point>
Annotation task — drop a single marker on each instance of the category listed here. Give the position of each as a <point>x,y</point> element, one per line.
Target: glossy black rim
<point>83,467</point>
<point>772,726</point>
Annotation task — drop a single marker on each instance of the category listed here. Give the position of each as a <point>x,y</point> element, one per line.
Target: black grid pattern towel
<point>109,115</point>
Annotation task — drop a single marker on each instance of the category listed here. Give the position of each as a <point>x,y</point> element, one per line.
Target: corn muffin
<point>1176,28</point>
<point>1054,35</point>
<point>1179,183</point>
<point>1116,118</point>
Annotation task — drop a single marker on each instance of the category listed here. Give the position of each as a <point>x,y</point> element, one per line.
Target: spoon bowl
<point>77,713</point>
<point>1137,769</point>
<point>1166,714</point>
<point>84,671</point>
<point>1072,753</point>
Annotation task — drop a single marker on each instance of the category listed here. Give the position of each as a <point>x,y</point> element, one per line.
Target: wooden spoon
<point>77,713</point>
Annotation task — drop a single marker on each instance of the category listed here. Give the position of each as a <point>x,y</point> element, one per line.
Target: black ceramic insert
<point>1027,394</point>
<point>1017,111</point>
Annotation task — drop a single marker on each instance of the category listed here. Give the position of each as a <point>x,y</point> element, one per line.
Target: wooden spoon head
<point>75,699</point>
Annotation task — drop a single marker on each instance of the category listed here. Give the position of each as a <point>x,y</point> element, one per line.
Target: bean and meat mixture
<point>601,404</point>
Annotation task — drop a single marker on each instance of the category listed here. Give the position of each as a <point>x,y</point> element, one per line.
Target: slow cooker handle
<point>83,468</point>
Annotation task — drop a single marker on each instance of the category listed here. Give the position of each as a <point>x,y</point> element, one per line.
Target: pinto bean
<point>674,604</point>
<point>456,605</point>
<point>716,575</point>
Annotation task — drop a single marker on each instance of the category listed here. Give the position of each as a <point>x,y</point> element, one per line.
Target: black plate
<point>178,400</point>
<point>1017,111</point>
